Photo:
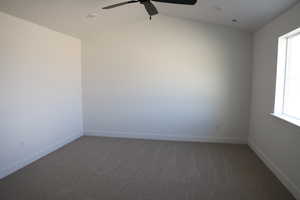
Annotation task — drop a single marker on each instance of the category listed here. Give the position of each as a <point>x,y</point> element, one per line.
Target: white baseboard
<point>152,136</point>
<point>41,153</point>
<point>290,185</point>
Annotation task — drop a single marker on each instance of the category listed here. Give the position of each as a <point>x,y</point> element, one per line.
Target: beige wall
<point>276,141</point>
<point>168,79</point>
<point>40,91</point>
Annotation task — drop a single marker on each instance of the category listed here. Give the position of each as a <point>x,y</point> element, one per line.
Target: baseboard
<point>43,152</point>
<point>152,136</point>
<point>284,179</point>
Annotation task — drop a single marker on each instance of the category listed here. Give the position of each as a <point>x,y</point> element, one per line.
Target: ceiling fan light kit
<point>150,8</point>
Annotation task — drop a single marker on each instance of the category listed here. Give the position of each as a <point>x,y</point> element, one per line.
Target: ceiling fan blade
<point>186,2</point>
<point>150,8</point>
<point>119,4</point>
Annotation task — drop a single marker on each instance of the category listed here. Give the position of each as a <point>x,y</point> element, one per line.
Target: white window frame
<point>282,64</point>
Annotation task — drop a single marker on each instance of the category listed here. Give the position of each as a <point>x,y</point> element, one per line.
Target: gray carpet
<point>93,168</point>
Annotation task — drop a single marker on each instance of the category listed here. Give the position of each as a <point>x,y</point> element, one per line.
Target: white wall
<point>276,141</point>
<point>168,79</point>
<point>40,92</point>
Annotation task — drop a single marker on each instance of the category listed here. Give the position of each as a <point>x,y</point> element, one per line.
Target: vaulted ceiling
<point>70,16</point>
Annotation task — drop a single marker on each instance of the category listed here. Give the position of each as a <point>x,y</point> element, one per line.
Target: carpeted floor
<point>94,168</point>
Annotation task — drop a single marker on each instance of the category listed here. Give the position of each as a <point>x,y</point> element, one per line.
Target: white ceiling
<point>69,16</point>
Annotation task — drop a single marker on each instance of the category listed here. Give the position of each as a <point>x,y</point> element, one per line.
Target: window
<point>287,100</point>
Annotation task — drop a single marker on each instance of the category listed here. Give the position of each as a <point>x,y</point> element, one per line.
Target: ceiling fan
<point>150,8</point>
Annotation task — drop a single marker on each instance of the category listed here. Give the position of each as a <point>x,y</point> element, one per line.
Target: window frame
<point>282,65</point>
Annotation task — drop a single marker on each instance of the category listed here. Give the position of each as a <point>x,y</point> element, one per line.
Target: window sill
<point>288,119</point>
